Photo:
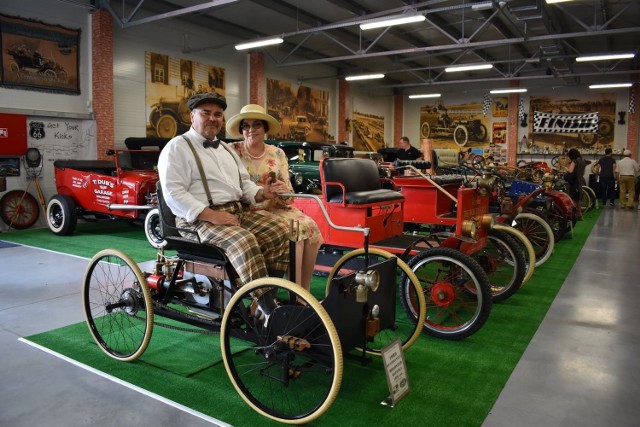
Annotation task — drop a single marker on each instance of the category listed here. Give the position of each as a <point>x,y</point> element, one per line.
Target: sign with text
<point>396,370</point>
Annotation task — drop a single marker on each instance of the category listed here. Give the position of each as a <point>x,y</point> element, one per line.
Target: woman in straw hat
<point>262,162</point>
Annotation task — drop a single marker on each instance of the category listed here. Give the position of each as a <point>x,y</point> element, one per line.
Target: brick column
<point>343,110</point>
<point>398,120</point>
<point>102,80</point>
<point>257,79</point>
<point>632,121</point>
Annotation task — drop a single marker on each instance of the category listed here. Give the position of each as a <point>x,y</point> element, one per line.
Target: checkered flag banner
<point>565,123</point>
<point>521,109</point>
<point>632,101</point>
<point>486,104</point>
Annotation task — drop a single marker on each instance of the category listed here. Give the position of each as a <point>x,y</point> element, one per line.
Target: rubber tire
<point>416,298</point>
<point>480,293</point>
<point>62,216</point>
<point>262,390</point>
<point>546,242</point>
<point>152,229</point>
<point>529,253</point>
<point>117,305</point>
<point>507,257</point>
<point>19,209</point>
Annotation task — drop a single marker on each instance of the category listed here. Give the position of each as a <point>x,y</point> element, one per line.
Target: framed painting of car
<point>38,56</point>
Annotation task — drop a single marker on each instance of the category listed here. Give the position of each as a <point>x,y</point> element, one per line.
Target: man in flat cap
<point>256,245</point>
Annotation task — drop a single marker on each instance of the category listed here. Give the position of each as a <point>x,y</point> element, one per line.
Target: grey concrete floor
<point>581,368</point>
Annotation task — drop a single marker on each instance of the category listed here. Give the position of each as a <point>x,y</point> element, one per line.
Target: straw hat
<point>251,111</point>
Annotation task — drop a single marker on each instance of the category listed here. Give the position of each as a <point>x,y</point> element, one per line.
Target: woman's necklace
<point>246,149</point>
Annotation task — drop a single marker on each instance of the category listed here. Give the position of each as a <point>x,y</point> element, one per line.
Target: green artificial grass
<point>88,239</point>
<point>454,383</point>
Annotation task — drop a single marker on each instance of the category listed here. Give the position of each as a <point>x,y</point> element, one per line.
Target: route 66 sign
<point>36,130</point>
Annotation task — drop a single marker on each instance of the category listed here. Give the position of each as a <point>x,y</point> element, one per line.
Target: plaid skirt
<point>257,248</point>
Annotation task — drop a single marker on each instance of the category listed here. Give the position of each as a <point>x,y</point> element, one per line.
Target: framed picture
<point>38,56</point>
<point>500,106</point>
<point>9,166</point>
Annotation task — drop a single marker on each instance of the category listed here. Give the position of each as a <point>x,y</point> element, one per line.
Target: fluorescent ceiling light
<point>514,90</point>
<point>486,5</point>
<point>457,68</point>
<point>425,95</point>
<point>364,77</point>
<point>259,43</point>
<point>392,21</point>
<point>609,85</point>
<point>556,1</point>
<point>605,57</point>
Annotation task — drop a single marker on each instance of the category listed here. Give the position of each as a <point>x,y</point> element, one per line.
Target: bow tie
<point>209,143</point>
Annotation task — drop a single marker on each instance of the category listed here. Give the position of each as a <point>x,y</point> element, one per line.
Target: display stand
<point>396,371</point>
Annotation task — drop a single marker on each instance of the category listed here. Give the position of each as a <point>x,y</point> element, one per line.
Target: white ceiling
<point>528,41</point>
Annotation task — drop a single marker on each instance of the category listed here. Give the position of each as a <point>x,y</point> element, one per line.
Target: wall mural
<point>455,125</point>
<point>170,82</point>
<point>367,131</point>
<point>303,112</point>
<point>577,111</point>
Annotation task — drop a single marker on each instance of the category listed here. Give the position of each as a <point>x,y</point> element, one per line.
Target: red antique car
<point>107,189</point>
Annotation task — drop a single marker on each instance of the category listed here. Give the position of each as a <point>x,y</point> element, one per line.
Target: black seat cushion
<point>361,181</point>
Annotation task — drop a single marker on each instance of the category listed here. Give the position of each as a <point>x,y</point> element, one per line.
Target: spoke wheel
<point>410,305</point>
<point>558,221</point>
<point>539,232</point>
<point>117,305</point>
<point>504,263</point>
<point>286,365</point>
<point>457,292</point>
<point>19,209</point>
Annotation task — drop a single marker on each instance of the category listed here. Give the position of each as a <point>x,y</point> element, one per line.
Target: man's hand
<point>218,217</point>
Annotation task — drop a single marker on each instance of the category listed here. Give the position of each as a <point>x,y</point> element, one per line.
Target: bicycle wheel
<point>558,221</point>
<point>592,194</point>
<point>529,253</point>
<point>503,262</point>
<point>458,292</point>
<point>19,209</point>
<point>408,319</point>
<point>285,361</point>
<point>117,305</point>
<point>538,231</point>
<point>586,199</point>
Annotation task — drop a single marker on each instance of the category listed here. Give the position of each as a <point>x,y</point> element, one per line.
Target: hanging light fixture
<point>398,20</point>
<point>364,77</point>
<point>605,57</point>
<point>610,85</point>
<point>425,95</point>
<point>457,68</point>
<point>513,90</point>
<point>259,43</point>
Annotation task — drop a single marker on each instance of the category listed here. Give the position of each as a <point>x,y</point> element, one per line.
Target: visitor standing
<point>606,170</point>
<point>627,171</point>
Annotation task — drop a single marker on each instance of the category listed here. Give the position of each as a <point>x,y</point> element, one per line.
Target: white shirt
<point>627,166</point>
<point>182,187</point>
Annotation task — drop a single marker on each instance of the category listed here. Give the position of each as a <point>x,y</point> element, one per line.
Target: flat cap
<point>207,98</point>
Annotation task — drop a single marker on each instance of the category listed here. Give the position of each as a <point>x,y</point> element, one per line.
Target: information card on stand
<point>396,370</point>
